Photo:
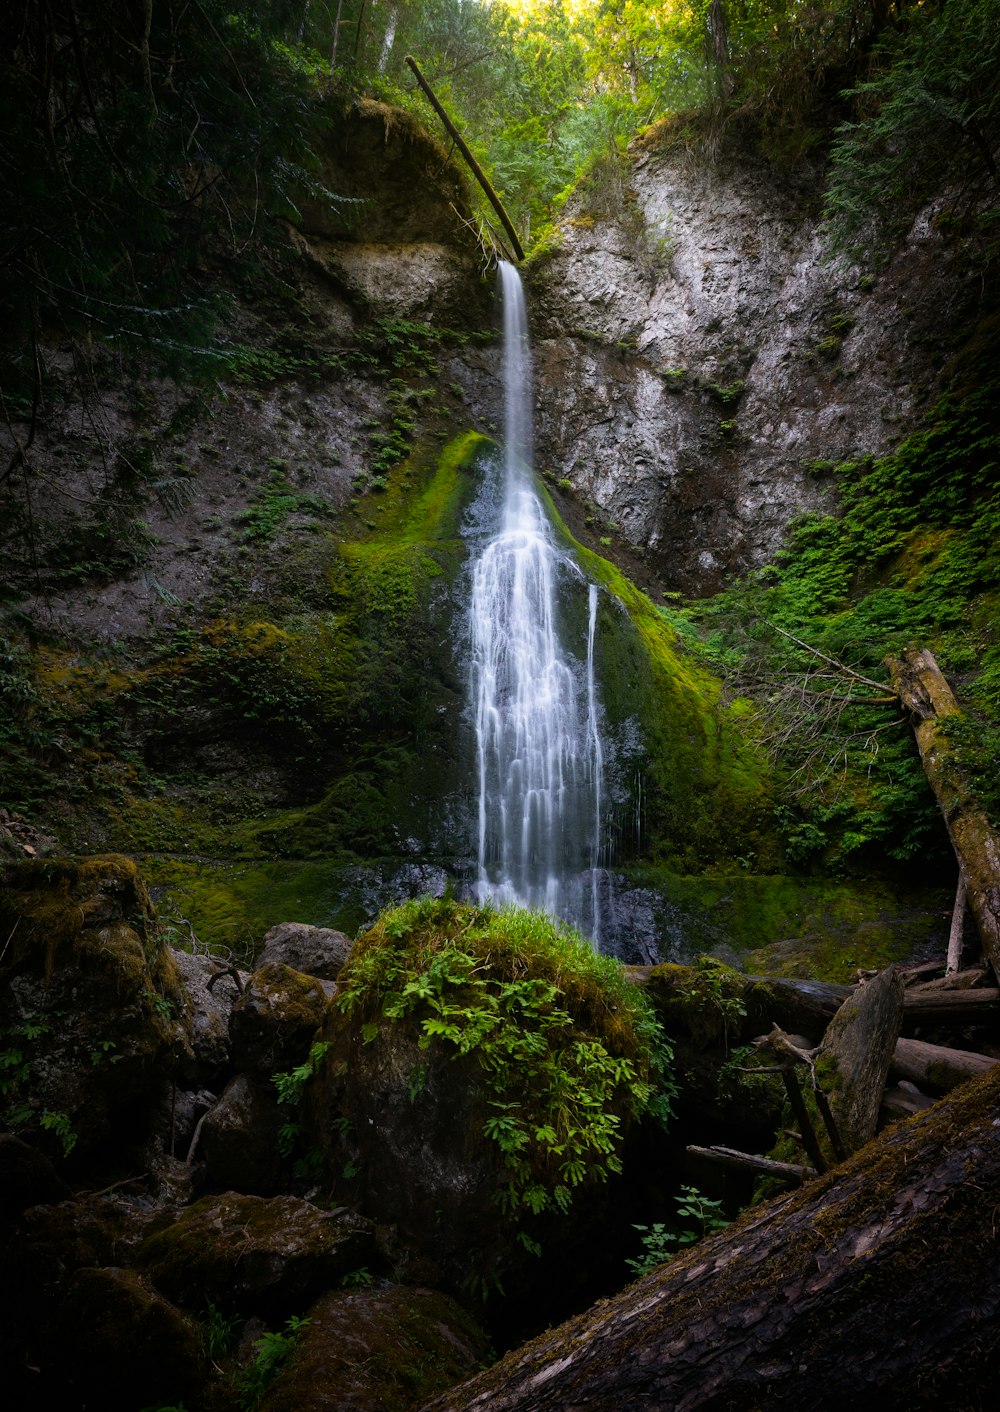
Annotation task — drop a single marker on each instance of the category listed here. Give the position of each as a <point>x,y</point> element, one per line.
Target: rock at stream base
<point>316,951</point>
<point>259,1255</point>
<point>391,1347</point>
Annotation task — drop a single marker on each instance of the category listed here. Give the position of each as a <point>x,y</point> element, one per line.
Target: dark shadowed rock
<point>256,1254</point>
<point>390,1347</point>
<point>275,1020</point>
<point>27,1178</point>
<point>316,951</point>
<point>239,1138</point>
<point>122,1346</point>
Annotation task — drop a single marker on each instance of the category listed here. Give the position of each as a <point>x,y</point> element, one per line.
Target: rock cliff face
<point>701,366</point>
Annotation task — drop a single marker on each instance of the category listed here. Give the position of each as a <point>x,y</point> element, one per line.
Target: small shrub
<point>661,1244</point>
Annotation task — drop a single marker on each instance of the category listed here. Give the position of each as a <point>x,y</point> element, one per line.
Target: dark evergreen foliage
<point>135,140</point>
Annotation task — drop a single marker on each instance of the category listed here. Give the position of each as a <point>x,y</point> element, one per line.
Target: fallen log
<point>935,1066</point>
<point>878,1283</point>
<point>798,1006</point>
<point>923,691</point>
<point>733,1161</point>
<point>930,1006</point>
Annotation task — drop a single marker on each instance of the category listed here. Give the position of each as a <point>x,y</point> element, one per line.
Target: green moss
<point>706,784</point>
<point>97,909</point>
<point>566,1050</point>
<point>824,929</point>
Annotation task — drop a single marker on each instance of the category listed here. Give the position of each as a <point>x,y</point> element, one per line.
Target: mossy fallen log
<point>937,1067</point>
<point>878,1282</point>
<point>926,695</point>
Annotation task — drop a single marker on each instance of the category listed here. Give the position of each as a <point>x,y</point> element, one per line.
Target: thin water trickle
<point>536,705</point>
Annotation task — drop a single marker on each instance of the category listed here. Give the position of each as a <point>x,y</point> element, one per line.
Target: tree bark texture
<point>876,1285</point>
<point>923,691</point>
<point>859,1041</point>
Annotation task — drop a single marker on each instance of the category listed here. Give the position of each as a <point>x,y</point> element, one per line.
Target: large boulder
<point>209,994</point>
<point>240,1139</point>
<point>480,1079</point>
<point>88,1000</point>
<point>390,1347</point>
<point>253,1254</point>
<point>316,951</point>
<point>275,1020</point>
<point>121,1345</point>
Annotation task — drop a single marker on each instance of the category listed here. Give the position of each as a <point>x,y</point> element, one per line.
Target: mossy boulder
<point>389,1346</point>
<point>76,1323</point>
<point>254,1254</point>
<point>121,1345</point>
<point>483,1072</point>
<point>273,1022</point>
<point>88,995</point>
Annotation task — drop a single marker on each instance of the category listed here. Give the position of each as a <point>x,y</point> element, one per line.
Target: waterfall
<point>536,706</point>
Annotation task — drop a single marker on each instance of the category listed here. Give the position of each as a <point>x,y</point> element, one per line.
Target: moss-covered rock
<point>388,1347</point>
<point>88,992</point>
<point>53,1242</point>
<point>483,1070</point>
<point>254,1254</point>
<point>121,1345</point>
<point>273,1022</point>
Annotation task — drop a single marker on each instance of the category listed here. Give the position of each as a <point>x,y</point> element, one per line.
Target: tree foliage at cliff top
<point>137,141</point>
<point>141,142</point>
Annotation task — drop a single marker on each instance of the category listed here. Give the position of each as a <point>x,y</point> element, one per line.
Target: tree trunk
<point>473,165</point>
<point>922,689</point>
<point>877,1284</point>
<point>924,1005</point>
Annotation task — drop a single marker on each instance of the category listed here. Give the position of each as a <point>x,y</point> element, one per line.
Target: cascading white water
<point>536,706</point>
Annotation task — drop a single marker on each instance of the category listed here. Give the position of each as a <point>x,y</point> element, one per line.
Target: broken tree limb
<point>928,698</point>
<point>934,1066</point>
<point>733,1161</point>
<point>954,959</point>
<point>855,1055</point>
<point>877,1285</point>
<point>474,166</point>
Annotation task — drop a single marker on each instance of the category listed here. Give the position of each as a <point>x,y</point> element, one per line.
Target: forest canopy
<point>141,140</point>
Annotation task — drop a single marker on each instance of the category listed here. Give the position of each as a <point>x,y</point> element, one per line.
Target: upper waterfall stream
<point>535,703</point>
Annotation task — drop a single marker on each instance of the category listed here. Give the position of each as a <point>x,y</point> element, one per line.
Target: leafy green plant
<point>566,1048</point>
<point>291,1086</point>
<point>661,1243</point>
<point>16,1107</point>
<point>715,991</point>
<point>271,1352</point>
<point>218,1332</point>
